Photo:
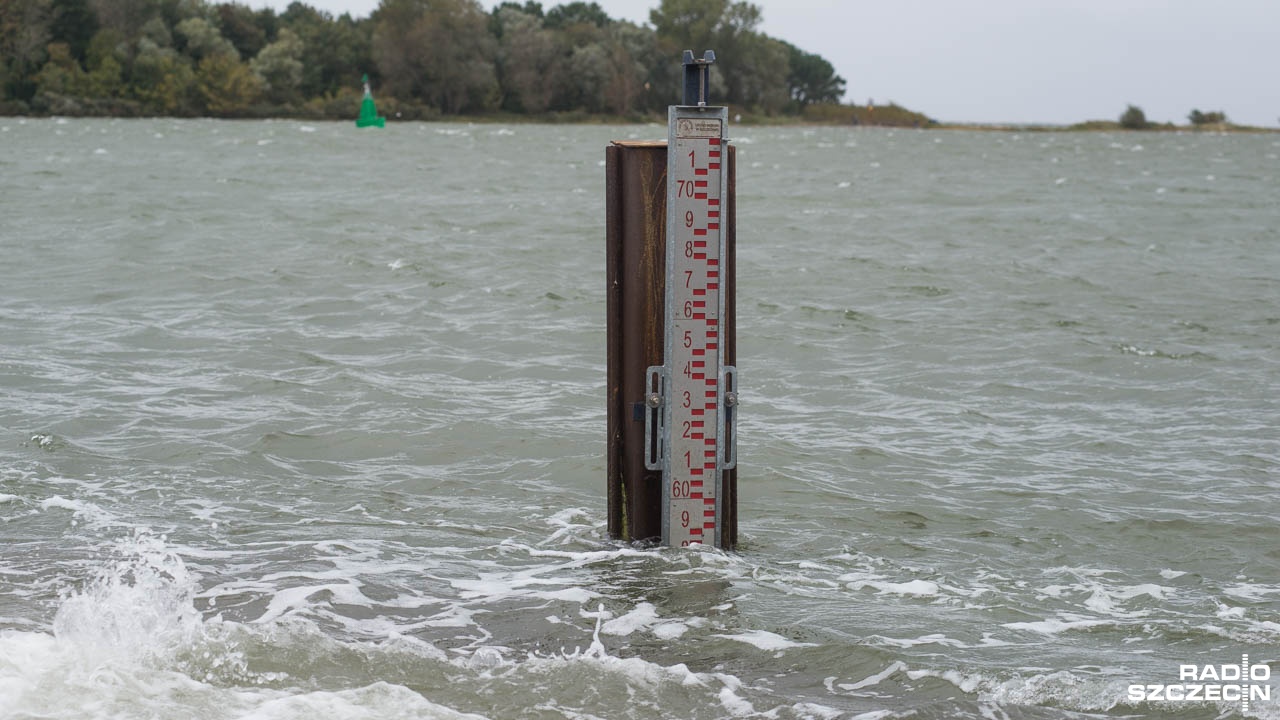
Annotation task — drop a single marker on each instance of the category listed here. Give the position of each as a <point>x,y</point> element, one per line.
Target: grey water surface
<point>300,421</point>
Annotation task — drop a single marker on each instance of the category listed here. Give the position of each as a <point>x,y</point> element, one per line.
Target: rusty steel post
<point>635,256</point>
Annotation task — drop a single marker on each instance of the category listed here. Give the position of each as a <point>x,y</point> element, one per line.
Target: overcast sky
<point>1023,61</point>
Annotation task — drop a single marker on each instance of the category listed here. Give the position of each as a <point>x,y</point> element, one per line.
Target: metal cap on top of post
<point>697,77</point>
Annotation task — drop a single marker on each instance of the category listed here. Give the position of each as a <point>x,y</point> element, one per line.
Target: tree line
<point>1133,118</point>
<point>425,58</point>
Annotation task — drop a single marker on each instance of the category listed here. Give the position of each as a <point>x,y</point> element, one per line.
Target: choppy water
<point>298,421</point>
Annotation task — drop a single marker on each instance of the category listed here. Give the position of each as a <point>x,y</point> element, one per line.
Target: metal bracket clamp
<point>729,382</point>
<point>654,422</point>
<point>697,77</point>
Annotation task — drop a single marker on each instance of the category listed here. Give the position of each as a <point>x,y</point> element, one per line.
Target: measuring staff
<point>690,433</point>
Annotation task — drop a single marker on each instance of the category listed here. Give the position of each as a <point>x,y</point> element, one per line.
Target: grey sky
<point>1021,61</point>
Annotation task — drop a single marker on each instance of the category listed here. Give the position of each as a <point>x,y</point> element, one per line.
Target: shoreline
<point>1100,126</point>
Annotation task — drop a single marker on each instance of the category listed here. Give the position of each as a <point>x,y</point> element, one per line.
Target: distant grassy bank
<point>345,106</point>
<point>1107,126</point>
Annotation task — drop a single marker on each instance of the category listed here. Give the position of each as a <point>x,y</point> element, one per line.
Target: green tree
<point>156,30</point>
<point>576,13</point>
<point>74,23</point>
<point>752,66</point>
<point>1133,118</point>
<point>204,40</point>
<point>1198,118</point>
<point>239,25</point>
<point>226,86</point>
<point>757,77</point>
<point>811,79</point>
<point>280,68</point>
<point>528,61</point>
<point>105,79</point>
<point>440,53</point>
<point>398,40</point>
<point>335,52</point>
<point>60,73</point>
<point>627,83</point>
<point>126,16</point>
<point>531,8</point>
<point>163,81</point>
<point>689,24</point>
<point>106,42</point>
<point>586,78</point>
<point>104,61</point>
<point>24,37</point>
<point>685,25</point>
<point>185,57</point>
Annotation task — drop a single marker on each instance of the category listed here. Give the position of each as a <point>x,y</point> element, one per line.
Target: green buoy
<point>369,116</point>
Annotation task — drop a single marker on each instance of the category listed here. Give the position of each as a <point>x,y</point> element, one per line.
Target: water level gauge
<point>692,395</point>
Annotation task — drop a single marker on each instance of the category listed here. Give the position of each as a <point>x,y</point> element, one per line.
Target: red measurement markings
<point>695,341</point>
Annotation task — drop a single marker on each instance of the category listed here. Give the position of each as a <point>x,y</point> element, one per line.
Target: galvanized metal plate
<point>694,423</point>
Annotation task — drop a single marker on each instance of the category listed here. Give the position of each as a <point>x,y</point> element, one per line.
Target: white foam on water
<point>1055,626</point>
<point>107,637</point>
<point>552,581</point>
<point>914,588</point>
<point>642,616</point>
<point>567,676</point>
<point>822,712</point>
<point>1230,612</point>
<point>130,643</point>
<point>1064,688</point>
<point>374,702</point>
<point>139,609</point>
<point>1055,591</point>
<point>46,676</point>
<point>933,639</point>
<point>1250,591</point>
<point>494,587</point>
<point>735,704</point>
<point>1105,601</point>
<point>1102,690</point>
<point>870,680</point>
<point>764,640</point>
<point>967,684</point>
<point>91,514</point>
<point>293,599</point>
